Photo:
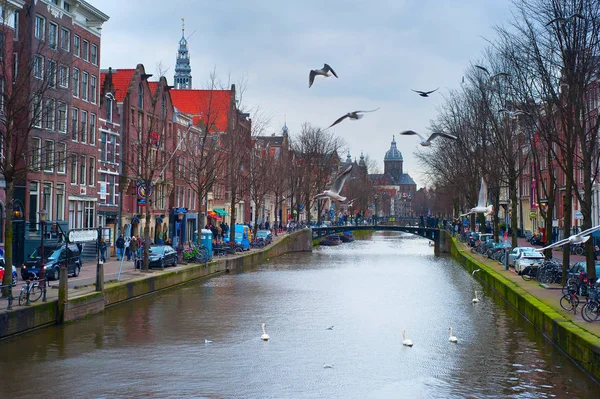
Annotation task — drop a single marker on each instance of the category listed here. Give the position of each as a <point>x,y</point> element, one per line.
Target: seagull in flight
<point>330,328</point>
<point>207,341</point>
<point>424,93</point>
<point>336,187</point>
<point>351,115</point>
<point>475,271</point>
<point>513,114</point>
<point>323,72</point>
<point>481,203</point>
<point>575,239</point>
<point>492,77</point>
<point>564,20</point>
<point>328,366</point>
<point>427,142</point>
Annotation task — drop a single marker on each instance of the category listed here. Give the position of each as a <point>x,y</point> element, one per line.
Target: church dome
<point>393,154</point>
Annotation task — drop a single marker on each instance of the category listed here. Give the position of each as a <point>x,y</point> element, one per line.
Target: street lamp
<point>376,197</point>
<point>180,245</point>
<point>43,213</point>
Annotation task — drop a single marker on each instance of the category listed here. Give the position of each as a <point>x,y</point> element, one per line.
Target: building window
<point>38,67</point>
<point>91,172</point>
<point>36,110</point>
<point>82,166</point>
<point>73,169</point>
<point>49,156</point>
<point>94,54</point>
<point>74,123</point>
<point>92,129</point>
<point>16,25</point>
<point>85,51</point>
<point>89,214</point>
<point>84,126</point>
<point>63,76</point>
<point>103,146</point>
<point>50,113</point>
<point>51,66</point>
<point>112,155</point>
<point>48,199</point>
<point>33,205</point>
<point>36,153</point>
<point>109,111</point>
<point>67,6</point>
<point>40,27</point>
<point>60,201</point>
<point>75,82</point>
<point>84,86</point>
<point>61,155</point>
<point>76,45</point>
<point>65,39</point>
<point>53,36</point>
<point>140,96</point>
<point>15,69</point>
<point>62,117</point>
<point>93,89</point>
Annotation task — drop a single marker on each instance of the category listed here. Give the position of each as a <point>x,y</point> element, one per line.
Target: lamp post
<point>375,219</point>
<point>43,213</point>
<point>180,244</point>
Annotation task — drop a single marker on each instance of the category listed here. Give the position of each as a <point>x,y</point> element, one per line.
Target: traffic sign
<point>578,215</point>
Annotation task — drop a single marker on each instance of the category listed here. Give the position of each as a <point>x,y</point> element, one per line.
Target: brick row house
<point>55,62</point>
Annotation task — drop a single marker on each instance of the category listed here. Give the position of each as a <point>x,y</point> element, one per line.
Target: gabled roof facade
<point>212,107</point>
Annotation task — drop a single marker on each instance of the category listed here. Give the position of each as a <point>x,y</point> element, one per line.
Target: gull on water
<point>481,203</point>
<point>427,142</point>
<point>264,336</point>
<point>575,239</point>
<point>352,115</point>
<point>322,72</point>
<point>425,93</point>
<point>336,187</point>
<point>207,341</point>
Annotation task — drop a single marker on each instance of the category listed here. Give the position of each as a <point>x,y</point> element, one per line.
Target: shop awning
<point>222,212</point>
<point>213,215</point>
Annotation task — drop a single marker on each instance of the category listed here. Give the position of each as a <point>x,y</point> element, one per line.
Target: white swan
<point>207,341</point>
<point>475,300</point>
<point>406,342</point>
<point>264,336</point>
<point>452,337</point>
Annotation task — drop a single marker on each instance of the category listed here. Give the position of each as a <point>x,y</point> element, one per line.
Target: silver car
<point>516,253</point>
<point>528,259</point>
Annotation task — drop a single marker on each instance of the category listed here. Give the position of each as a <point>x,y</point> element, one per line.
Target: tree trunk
<point>146,233</point>
<point>8,238</point>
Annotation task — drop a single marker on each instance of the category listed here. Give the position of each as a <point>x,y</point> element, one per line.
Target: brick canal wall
<point>579,344</point>
<point>39,314</point>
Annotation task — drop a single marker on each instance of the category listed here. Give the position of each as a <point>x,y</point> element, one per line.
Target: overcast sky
<point>380,49</point>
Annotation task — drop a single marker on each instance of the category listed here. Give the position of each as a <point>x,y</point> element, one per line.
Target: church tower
<point>183,70</point>
<point>392,163</point>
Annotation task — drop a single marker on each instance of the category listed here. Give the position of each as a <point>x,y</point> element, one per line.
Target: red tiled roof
<point>121,80</point>
<point>210,106</point>
<point>153,86</point>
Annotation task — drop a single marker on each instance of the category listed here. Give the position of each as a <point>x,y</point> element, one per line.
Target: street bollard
<point>506,258</point>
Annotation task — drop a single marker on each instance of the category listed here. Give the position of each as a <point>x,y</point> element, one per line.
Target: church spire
<point>183,70</point>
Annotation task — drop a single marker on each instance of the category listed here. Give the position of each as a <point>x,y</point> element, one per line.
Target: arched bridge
<point>436,235</point>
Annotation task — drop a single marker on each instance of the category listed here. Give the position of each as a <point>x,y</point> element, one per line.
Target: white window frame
<point>76,82</point>
<point>93,88</point>
<point>85,50</point>
<point>83,137</point>
<point>63,119</point>
<point>52,72</point>
<point>84,86</point>
<point>53,39</point>
<point>64,76</point>
<point>74,124</point>
<point>40,30</point>
<point>49,156</point>
<point>50,114</point>
<point>92,128</point>
<point>65,39</point>
<point>36,154</point>
<point>82,172</point>
<point>94,54</point>
<point>61,190</point>
<point>91,171</point>
<point>61,154</point>
<point>38,66</point>
<point>76,46</point>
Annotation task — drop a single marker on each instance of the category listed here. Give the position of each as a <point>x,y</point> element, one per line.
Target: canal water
<point>368,290</point>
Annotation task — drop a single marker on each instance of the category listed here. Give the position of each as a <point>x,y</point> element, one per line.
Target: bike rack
<point>10,296</point>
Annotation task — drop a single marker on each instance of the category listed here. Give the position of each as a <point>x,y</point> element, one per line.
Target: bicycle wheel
<point>569,288</point>
<point>22,297</point>
<point>568,303</point>
<point>579,251</point>
<point>35,293</point>
<point>590,311</point>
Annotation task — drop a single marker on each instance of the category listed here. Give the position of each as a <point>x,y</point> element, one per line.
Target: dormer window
<point>109,107</point>
<point>140,96</point>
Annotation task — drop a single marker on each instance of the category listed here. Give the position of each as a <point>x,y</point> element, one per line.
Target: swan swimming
<point>452,337</point>
<point>406,342</point>
<point>475,300</point>
<point>264,336</point>
<point>207,341</point>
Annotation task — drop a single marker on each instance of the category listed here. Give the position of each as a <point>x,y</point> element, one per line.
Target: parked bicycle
<point>30,291</point>
<point>590,310</point>
<point>569,302</point>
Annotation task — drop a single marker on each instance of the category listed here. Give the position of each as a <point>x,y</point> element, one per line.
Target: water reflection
<point>369,290</point>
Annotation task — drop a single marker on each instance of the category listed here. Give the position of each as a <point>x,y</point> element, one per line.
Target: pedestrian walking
<point>103,247</point>
<point>133,247</point>
<point>127,250</point>
<point>120,244</point>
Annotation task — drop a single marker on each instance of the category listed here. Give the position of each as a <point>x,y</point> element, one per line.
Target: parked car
<point>582,267</point>
<point>15,277</point>
<point>264,235</point>
<point>69,256</point>
<point>516,253</point>
<point>161,256</point>
<point>528,259</point>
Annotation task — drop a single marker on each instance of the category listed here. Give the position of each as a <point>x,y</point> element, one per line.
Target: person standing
<point>103,251</point>
<point>127,250</point>
<point>133,247</point>
<point>120,244</point>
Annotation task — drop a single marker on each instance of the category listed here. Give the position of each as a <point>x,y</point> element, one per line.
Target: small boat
<point>347,237</point>
<point>331,241</point>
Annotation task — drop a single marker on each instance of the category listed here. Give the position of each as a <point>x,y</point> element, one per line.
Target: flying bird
<point>424,93</point>
<point>492,77</point>
<point>330,328</point>
<point>475,271</point>
<point>513,114</point>
<point>481,203</point>
<point>351,115</point>
<point>328,366</point>
<point>207,341</point>
<point>564,20</point>
<point>323,72</point>
<point>334,191</point>
<point>427,142</point>
<point>575,239</point>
